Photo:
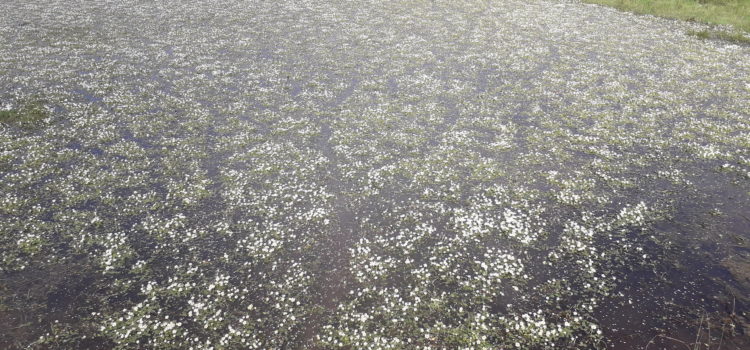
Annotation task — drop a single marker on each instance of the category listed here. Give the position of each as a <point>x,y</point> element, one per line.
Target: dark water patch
<point>693,278</point>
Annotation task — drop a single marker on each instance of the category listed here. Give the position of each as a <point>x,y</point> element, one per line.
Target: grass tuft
<point>28,115</point>
<point>734,37</point>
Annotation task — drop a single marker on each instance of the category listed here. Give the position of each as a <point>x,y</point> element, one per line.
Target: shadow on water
<point>694,293</point>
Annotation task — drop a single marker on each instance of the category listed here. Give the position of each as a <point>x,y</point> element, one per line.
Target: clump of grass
<point>733,37</point>
<point>28,115</point>
<point>735,13</point>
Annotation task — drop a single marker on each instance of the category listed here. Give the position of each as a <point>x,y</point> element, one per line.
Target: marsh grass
<point>723,327</point>
<point>735,13</point>
<point>29,115</point>
<point>733,37</point>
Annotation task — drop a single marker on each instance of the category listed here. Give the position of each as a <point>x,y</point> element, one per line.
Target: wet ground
<point>359,175</point>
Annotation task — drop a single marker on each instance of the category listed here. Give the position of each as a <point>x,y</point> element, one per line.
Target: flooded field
<point>370,175</point>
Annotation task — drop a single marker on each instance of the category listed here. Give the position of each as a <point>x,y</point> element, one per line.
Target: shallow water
<point>462,174</point>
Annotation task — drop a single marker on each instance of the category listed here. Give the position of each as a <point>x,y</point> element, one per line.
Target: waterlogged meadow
<point>370,175</point>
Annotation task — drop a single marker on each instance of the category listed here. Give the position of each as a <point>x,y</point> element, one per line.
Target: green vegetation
<point>520,177</point>
<point>28,115</point>
<point>734,37</point>
<point>726,12</point>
